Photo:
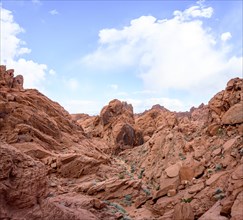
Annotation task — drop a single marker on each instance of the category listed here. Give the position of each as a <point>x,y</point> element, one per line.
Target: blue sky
<point>83,54</point>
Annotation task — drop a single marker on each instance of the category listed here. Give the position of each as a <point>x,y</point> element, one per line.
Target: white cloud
<point>11,50</point>
<point>177,53</point>
<point>193,12</point>
<point>225,36</point>
<point>54,12</point>
<point>34,73</point>
<point>52,72</point>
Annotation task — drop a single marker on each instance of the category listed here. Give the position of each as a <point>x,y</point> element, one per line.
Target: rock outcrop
<point>7,79</point>
<point>115,125</point>
<point>119,165</point>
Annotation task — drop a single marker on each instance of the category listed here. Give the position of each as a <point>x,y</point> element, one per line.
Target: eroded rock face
<point>57,166</point>
<point>116,125</point>
<point>23,181</point>
<point>7,79</point>
<point>197,159</point>
<point>226,99</point>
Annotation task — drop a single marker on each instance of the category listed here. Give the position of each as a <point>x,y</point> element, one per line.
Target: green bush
<point>217,191</point>
<point>219,196</point>
<point>133,168</point>
<point>218,167</point>
<point>147,191</point>
<point>121,176</point>
<point>141,173</point>
<point>188,200</point>
<point>182,156</point>
<point>128,197</point>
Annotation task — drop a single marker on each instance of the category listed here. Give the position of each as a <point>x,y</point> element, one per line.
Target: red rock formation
<point>115,125</point>
<point>56,166</point>
<point>7,79</point>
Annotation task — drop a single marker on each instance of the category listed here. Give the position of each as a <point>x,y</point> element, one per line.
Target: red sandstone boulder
<point>183,211</point>
<point>234,115</point>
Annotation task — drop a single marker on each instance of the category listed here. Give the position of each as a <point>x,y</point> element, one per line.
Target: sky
<point>83,54</point>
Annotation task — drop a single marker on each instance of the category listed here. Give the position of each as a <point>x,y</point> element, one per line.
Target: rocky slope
<point>119,165</point>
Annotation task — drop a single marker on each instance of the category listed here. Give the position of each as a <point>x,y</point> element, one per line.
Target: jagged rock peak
<point>7,79</point>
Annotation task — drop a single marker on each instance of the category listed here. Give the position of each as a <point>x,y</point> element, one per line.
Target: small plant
<point>128,197</point>
<point>219,196</point>
<point>220,131</point>
<point>158,187</point>
<point>182,156</point>
<point>241,151</point>
<point>217,191</point>
<point>210,171</point>
<point>188,200</point>
<point>147,191</point>
<point>121,176</point>
<point>141,173</point>
<point>128,200</point>
<point>218,167</point>
<point>117,206</point>
<point>133,168</point>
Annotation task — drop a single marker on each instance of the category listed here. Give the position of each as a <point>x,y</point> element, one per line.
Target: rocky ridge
<point>119,165</point>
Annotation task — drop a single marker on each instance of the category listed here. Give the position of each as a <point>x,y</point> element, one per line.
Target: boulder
<point>173,170</point>
<point>183,211</point>
<point>186,173</point>
<point>237,209</point>
<point>18,82</point>
<point>213,213</point>
<point>234,115</point>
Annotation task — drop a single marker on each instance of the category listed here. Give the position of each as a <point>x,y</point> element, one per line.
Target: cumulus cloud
<point>52,72</point>
<point>54,12</point>
<point>226,36</point>
<point>176,53</point>
<point>13,47</point>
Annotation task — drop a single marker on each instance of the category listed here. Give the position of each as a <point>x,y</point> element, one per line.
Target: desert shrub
<point>141,173</point>
<point>133,168</point>
<point>182,156</point>
<point>217,191</point>
<point>219,196</point>
<point>218,167</point>
<point>187,200</point>
<point>147,191</point>
<point>121,176</point>
<point>128,199</point>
